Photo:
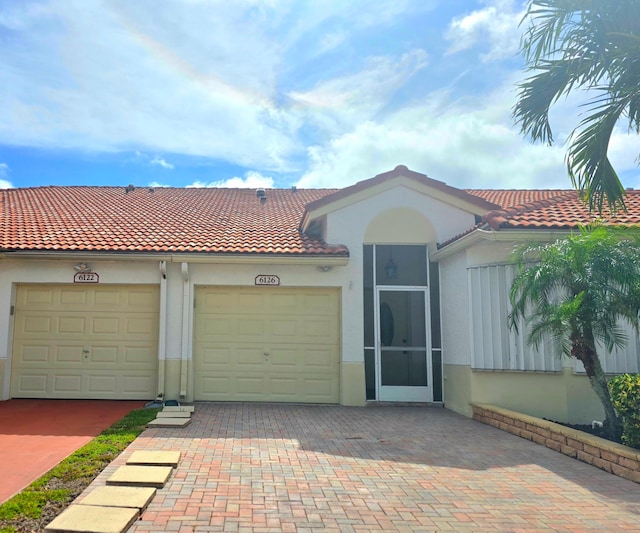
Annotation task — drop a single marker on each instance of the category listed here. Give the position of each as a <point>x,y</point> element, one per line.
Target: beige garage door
<point>267,344</point>
<point>79,341</point>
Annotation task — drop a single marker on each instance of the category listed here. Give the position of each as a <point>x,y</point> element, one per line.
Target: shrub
<point>625,393</point>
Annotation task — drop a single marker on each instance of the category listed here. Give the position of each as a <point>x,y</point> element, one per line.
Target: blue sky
<point>270,93</point>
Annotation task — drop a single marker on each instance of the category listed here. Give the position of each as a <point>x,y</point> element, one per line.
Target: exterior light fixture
<point>391,269</point>
<point>82,267</point>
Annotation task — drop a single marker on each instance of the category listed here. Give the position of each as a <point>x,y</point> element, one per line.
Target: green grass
<point>77,470</point>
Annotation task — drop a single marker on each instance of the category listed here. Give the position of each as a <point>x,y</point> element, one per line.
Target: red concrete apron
<point>35,435</point>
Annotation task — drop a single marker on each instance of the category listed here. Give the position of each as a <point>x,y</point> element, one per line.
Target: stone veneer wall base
<point>612,457</point>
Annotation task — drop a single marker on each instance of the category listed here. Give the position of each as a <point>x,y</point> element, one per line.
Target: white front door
<point>403,365</point>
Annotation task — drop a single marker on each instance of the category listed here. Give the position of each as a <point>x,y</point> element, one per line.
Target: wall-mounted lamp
<point>325,268</point>
<point>82,267</point>
<point>391,269</point>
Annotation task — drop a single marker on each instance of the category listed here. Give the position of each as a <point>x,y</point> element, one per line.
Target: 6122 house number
<point>267,279</point>
<point>86,277</point>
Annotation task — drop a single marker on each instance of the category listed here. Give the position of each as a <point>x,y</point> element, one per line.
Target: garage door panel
<point>211,326</point>
<point>34,353</point>
<point>141,299</point>
<point>247,302</point>
<point>101,325</point>
<point>320,388</point>
<point>104,355</point>
<point>216,388</point>
<point>37,324</point>
<point>86,342</point>
<point>286,359</point>
<point>136,386</point>
<point>101,384</point>
<point>140,325</point>
<point>298,328</point>
<point>138,356</point>
<point>287,389</point>
<point>215,358</point>
<point>76,298</point>
<point>35,297</point>
<point>321,359</point>
<point>249,327</point>
<point>73,325</point>
<point>34,383</point>
<point>67,383</point>
<point>283,302</point>
<point>67,353</point>
<point>248,359</point>
<point>320,304</point>
<point>249,387</point>
<point>312,330</point>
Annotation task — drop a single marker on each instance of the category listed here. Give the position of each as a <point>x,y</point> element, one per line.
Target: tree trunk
<point>582,350</point>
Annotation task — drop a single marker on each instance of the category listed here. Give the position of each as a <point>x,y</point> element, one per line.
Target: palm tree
<point>577,291</point>
<point>583,44</point>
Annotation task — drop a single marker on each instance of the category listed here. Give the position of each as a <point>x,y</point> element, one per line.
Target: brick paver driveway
<point>310,468</point>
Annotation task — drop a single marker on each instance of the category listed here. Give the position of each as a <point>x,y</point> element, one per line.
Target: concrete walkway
<point>35,435</point>
<point>292,468</point>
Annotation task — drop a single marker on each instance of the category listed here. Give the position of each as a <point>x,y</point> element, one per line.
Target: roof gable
<point>400,175</point>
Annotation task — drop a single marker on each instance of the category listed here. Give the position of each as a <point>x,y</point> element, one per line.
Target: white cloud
<point>4,173</point>
<point>469,144</point>
<point>159,161</point>
<point>251,180</point>
<point>495,25</point>
<point>359,96</point>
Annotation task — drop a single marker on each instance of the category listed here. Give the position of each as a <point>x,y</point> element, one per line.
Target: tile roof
<point>234,221</point>
<point>559,209</point>
<point>165,220</point>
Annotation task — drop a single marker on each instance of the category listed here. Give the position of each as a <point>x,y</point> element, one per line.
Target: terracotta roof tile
<point>512,197</point>
<point>165,220</point>
<point>236,221</point>
<point>560,209</point>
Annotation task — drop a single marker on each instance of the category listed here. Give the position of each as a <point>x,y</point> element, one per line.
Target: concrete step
<point>93,519</point>
<point>179,408</point>
<point>116,496</point>
<point>169,423</point>
<point>140,476</point>
<point>154,458</point>
<point>173,414</point>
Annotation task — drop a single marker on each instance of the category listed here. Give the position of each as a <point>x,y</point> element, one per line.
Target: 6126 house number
<point>267,279</point>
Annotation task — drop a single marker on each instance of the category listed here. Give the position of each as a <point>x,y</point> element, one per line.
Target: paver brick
<point>300,468</point>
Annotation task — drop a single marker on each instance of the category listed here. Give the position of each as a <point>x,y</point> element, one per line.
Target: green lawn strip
<point>82,465</point>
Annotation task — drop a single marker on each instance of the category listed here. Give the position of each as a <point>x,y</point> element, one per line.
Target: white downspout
<point>185,330</point>
<point>162,331</point>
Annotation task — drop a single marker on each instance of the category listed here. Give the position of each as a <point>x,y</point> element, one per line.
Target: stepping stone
<point>154,458</point>
<point>169,423</point>
<point>140,476</point>
<point>116,496</point>
<point>173,414</point>
<point>93,519</point>
<point>179,408</point>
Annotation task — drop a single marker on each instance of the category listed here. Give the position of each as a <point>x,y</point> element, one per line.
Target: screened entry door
<point>402,347</point>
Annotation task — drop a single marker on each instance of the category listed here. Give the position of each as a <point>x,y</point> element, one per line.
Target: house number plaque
<point>267,279</point>
<point>86,277</point>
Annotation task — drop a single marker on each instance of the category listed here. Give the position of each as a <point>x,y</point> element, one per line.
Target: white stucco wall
<point>349,226</point>
<point>454,305</point>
